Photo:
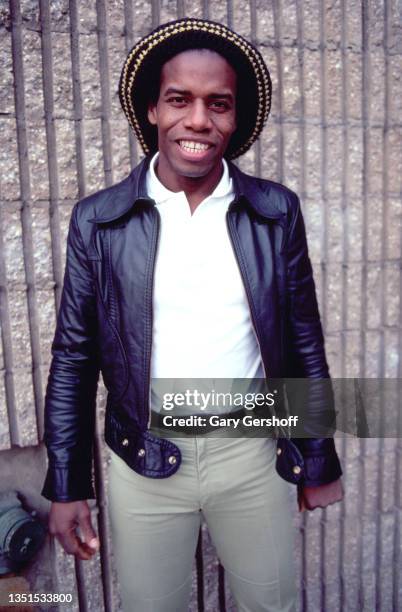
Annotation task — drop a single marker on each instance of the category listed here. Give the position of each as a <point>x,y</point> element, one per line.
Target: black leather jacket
<point>105,324</point>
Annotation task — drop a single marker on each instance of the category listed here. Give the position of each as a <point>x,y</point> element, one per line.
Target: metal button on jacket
<point>296,469</point>
<point>141,452</point>
<point>172,459</point>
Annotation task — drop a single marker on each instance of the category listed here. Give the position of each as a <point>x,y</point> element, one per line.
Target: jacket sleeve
<point>306,358</point>
<point>70,400</point>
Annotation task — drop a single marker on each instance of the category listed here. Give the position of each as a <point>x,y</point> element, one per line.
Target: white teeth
<point>189,145</point>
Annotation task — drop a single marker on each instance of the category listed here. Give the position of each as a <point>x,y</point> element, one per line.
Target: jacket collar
<point>250,191</point>
<point>119,199</point>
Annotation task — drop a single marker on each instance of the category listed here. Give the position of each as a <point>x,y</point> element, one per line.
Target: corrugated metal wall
<point>334,136</point>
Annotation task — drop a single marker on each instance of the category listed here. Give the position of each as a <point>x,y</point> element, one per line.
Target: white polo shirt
<point>201,318</point>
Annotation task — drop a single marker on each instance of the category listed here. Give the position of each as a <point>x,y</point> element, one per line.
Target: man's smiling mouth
<point>194,147</point>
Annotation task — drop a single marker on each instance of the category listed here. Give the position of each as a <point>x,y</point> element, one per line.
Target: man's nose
<point>197,117</point>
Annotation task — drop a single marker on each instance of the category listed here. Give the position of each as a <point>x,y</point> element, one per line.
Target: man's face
<point>195,114</point>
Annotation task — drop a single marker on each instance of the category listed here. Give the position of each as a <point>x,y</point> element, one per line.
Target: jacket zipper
<point>154,248</point>
<point>243,275</point>
<point>111,300</point>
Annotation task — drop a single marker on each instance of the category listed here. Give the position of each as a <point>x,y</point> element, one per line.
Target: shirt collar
<point>158,192</point>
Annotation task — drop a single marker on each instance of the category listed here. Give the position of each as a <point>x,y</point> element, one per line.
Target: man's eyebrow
<point>185,92</point>
<point>173,90</point>
<point>226,96</point>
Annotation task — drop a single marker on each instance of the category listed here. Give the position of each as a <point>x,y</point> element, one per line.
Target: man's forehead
<point>197,63</point>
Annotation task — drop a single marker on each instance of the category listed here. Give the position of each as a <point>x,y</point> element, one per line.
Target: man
<point>187,268</point>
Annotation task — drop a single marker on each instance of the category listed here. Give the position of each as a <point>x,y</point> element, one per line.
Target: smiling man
<point>188,268</point>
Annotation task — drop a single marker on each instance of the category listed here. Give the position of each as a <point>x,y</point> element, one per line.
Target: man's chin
<point>195,173</point>
<point>196,169</point>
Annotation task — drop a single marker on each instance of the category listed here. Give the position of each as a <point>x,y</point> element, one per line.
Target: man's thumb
<point>88,532</point>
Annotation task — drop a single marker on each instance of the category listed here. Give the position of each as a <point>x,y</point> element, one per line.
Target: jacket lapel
<point>119,199</point>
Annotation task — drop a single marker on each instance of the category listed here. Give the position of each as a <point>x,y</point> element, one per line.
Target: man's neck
<point>195,188</point>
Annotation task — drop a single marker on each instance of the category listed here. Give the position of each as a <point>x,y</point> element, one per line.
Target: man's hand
<point>310,498</point>
<point>64,518</point>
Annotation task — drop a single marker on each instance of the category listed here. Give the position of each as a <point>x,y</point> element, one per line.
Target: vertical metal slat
<point>129,36</point>
<point>54,217</point>
<point>302,191</point>
<point>26,218</point>
<point>105,552</point>
<point>324,242</point>
<point>344,277</point>
<point>5,326</point>
<point>77,98</point>
<point>279,90</point>
<point>363,311</point>
<point>200,572</point>
<point>105,91</point>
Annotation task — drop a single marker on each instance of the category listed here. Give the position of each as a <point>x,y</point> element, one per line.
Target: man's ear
<point>152,113</point>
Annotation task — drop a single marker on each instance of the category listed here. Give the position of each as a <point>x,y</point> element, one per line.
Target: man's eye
<point>220,105</point>
<point>176,100</point>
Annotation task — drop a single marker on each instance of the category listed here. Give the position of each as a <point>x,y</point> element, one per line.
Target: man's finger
<point>88,532</point>
<point>84,551</point>
<point>73,545</point>
<point>79,549</point>
<point>69,541</point>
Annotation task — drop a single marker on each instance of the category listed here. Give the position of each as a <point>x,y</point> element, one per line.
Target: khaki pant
<point>246,505</point>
